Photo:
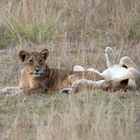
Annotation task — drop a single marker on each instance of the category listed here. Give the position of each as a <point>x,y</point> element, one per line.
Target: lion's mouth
<point>36,74</point>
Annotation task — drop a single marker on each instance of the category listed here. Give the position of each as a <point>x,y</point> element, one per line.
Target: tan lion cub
<point>37,77</point>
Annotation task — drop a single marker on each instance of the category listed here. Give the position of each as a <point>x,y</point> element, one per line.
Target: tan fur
<point>51,79</point>
<point>37,77</point>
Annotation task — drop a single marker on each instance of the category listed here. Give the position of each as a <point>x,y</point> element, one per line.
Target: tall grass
<point>43,20</point>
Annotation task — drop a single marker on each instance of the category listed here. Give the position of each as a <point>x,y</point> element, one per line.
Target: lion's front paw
<point>67,90</point>
<point>10,90</point>
<point>108,50</point>
<point>4,91</point>
<point>78,68</point>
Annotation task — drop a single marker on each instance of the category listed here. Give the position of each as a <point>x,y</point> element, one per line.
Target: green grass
<point>33,32</point>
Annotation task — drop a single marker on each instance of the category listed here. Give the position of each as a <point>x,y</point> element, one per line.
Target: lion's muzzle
<point>36,72</point>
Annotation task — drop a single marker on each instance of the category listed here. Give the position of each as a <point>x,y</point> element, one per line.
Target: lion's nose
<point>36,69</point>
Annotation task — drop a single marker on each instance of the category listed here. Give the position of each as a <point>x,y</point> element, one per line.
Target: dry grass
<point>78,117</point>
<point>104,21</point>
<point>75,32</point>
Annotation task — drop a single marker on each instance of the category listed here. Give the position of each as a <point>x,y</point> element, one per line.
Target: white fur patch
<point>115,72</point>
<point>78,68</point>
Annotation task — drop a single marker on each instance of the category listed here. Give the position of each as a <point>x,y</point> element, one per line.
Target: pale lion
<point>124,76</point>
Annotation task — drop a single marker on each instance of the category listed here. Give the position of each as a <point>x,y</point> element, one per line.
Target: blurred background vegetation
<point>41,21</point>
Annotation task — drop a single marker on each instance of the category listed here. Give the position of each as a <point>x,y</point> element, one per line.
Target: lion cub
<point>37,77</point>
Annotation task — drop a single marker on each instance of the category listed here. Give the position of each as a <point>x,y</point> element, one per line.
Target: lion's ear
<point>45,53</point>
<point>23,55</point>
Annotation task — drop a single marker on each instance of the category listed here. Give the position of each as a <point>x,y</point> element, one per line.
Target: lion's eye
<point>31,61</point>
<point>40,61</point>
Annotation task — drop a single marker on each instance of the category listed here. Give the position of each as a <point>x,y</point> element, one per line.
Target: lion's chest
<point>51,81</point>
<point>27,81</point>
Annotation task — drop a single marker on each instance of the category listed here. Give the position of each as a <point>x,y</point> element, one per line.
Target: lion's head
<point>34,61</point>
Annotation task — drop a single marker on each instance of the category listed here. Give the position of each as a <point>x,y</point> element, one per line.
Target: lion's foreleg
<point>10,90</point>
<point>82,84</point>
<point>108,50</point>
<point>87,84</point>
<point>94,71</point>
